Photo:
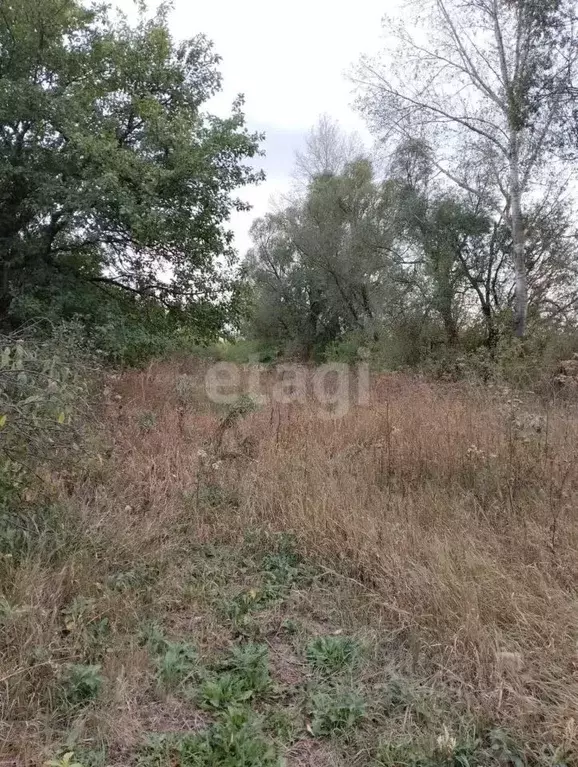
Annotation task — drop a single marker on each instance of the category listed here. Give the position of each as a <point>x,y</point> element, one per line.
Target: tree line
<point>460,225</point>
<point>456,229</point>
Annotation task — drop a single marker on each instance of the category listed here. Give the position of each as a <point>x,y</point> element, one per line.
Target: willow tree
<point>322,267</point>
<point>485,82</point>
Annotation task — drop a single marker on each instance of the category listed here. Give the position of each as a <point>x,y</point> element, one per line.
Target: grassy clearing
<point>396,587</point>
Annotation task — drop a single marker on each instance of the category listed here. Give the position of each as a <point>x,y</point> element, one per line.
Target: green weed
<point>336,712</point>
<point>250,600</point>
<point>152,637</point>
<point>147,421</point>
<point>331,654</point>
<point>250,663</point>
<point>235,741</point>
<point>177,664</point>
<point>282,568</point>
<point>243,675</point>
<point>81,683</point>
<point>223,691</point>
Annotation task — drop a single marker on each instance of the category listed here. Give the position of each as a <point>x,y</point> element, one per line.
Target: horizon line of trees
<point>468,230</point>
<point>117,185</point>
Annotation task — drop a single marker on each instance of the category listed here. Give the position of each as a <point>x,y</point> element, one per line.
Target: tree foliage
<point>115,185</point>
<point>484,83</point>
<point>321,266</point>
<point>406,263</point>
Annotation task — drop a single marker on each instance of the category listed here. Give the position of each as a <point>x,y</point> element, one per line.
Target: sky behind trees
<point>289,60</point>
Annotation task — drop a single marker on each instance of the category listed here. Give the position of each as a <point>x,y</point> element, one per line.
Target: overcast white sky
<point>289,60</point>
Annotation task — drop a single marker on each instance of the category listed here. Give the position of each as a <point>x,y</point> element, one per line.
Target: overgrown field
<point>211,585</point>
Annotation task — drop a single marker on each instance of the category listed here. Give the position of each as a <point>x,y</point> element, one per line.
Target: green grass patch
<point>336,712</point>
<point>333,654</point>
<point>237,740</point>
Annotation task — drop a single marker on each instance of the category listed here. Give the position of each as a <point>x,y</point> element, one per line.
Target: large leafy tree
<point>114,182</point>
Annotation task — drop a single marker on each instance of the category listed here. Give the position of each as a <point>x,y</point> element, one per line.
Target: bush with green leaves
<point>44,398</point>
<point>335,712</point>
<point>332,654</point>
<point>81,683</point>
<point>43,386</point>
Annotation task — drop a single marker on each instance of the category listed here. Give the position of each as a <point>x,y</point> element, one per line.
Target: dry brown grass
<point>453,506</point>
<point>451,509</point>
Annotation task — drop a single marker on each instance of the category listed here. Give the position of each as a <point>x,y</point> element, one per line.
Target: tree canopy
<point>485,84</point>
<point>115,184</point>
<point>403,261</point>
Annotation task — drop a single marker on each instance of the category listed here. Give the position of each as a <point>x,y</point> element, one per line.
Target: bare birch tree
<point>485,82</point>
<point>328,148</point>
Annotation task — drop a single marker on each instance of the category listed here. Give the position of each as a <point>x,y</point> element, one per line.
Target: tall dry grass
<point>455,506</point>
<point>452,507</point>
